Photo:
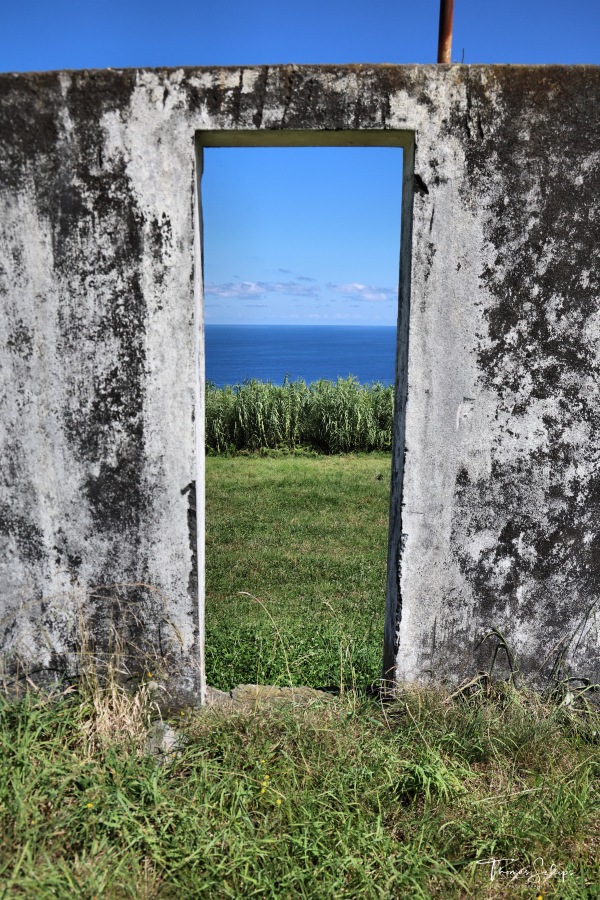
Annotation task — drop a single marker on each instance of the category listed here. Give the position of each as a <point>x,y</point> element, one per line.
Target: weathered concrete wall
<point>495,498</point>
<point>97,372</point>
<point>501,501</point>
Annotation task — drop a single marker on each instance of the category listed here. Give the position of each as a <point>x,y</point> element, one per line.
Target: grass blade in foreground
<point>339,799</point>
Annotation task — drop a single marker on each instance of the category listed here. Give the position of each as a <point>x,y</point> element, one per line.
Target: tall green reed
<point>328,416</point>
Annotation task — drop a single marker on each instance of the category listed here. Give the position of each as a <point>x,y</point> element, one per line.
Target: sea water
<point>236,353</point>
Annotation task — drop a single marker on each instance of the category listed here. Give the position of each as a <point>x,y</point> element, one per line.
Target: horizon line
<point>298,325</point>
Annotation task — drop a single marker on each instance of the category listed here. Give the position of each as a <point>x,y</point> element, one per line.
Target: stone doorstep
<point>163,741</point>
<point>251,695</point>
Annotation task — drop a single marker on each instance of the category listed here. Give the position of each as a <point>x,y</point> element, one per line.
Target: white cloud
<point>255,289</point>
<point>238,291</point>
<point>364,292</point>
<point>302,287</point>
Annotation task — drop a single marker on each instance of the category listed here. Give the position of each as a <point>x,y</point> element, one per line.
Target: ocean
<point>235,353</point>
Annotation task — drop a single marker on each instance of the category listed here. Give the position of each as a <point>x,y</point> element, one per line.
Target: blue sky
<point>324,247</point>
<point>307,236</point>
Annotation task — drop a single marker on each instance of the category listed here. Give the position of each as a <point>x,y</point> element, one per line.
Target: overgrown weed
<point>432,795</point>
<point>114,714</point>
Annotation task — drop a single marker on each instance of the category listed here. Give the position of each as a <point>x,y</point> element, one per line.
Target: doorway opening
<point>297,501</point>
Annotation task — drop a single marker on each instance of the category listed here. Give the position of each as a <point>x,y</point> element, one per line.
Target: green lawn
<point>295,569</point>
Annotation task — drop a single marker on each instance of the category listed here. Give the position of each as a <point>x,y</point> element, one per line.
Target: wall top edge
<point>339,68</point>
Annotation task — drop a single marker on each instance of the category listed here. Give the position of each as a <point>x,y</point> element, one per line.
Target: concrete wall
<point>495,519</point>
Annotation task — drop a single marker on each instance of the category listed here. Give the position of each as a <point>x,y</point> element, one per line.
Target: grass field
<point>490,794</point>
<point>295,569</point>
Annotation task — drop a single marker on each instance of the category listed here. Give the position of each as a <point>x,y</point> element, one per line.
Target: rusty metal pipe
<point>445,35</point>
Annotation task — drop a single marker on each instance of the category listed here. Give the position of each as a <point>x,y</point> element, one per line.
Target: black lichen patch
<point>190,490</point>
<point>20,340</point>
<point>65,555</point>
<point>159,243</point>
<point>114,495</point>
<point>28,536</point>
<point>28,126</point>
<point>161,235</point>
<point>420,186</point>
